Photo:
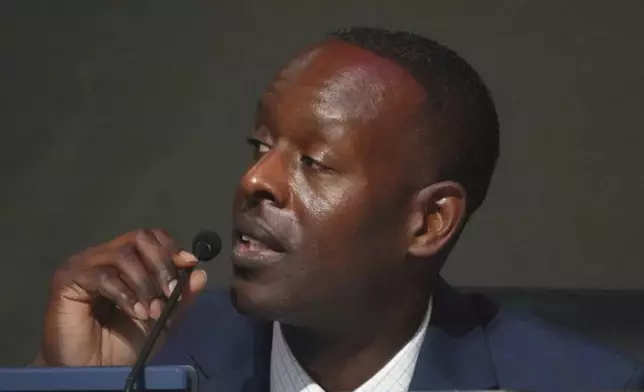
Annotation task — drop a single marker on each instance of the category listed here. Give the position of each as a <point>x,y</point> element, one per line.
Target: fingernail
<point>171,286</point>
<point>155,309</point>
<point>203,274</point>
<point>187,256</point>
<point>140,312</point>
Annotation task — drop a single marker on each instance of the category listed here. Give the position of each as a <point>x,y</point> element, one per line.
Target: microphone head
<point>206,245</point>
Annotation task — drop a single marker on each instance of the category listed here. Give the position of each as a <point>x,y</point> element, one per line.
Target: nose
<point>267,181</point>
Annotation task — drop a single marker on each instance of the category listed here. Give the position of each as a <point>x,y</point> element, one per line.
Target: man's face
<point>321,215</point>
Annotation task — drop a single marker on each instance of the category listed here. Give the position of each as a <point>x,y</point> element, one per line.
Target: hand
<point>105,299</point>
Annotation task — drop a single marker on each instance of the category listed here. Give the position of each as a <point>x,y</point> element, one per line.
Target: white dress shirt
<point>288,376</point>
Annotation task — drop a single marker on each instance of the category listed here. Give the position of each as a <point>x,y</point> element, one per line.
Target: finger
<point>105,282</point>
<point>165,240</point>
<point>184,259</point>
<point>196,283</point>
<point>181,257</point>
<point>156,307</point>
<point>193,284</point>
<point>157,259</point>
<point>133,272</point>
<point>115,290</point>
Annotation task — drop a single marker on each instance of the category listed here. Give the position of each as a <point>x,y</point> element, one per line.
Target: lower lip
<point>244,256</point>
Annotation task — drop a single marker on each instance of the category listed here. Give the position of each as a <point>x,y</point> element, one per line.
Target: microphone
<point>205,246</point>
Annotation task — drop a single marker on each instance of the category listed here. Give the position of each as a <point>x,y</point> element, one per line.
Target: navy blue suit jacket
<point>470,344</point>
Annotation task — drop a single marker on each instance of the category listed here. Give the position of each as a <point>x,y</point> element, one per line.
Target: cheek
<point>333,214</point>
<point>323,200</point>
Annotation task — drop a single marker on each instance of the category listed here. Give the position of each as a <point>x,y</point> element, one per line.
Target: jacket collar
<point>454,354</point>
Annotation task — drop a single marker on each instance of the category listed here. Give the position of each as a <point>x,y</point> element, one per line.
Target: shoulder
<point>211,311</point>
<point>209,323</point>
<point>523,346</point>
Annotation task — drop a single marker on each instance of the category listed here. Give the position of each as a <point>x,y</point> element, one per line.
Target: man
<point>372,150</point>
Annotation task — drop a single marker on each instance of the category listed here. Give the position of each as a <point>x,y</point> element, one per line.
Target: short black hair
<point>458,100</point>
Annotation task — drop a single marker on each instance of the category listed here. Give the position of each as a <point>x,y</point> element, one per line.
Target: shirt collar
<point>287,375</point>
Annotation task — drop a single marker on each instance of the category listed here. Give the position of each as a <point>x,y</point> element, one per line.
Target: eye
<point>260,148</point>
<point>313,164</point>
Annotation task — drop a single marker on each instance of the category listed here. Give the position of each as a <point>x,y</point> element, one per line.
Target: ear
<point>438,215</point>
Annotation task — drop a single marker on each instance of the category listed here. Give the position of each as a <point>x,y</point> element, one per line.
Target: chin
<point>269,302</point>
<point>255,300</point>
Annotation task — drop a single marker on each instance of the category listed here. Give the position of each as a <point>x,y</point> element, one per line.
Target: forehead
<point>335,82</point>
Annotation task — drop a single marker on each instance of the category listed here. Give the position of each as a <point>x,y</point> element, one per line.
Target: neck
<point>346,357</point>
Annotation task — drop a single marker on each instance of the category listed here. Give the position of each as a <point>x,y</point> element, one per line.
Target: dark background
<point>120,115</point>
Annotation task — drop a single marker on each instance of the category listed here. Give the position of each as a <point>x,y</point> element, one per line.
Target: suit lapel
<point>454,354</point>
<point>259,380</point>
<point>235,359</point>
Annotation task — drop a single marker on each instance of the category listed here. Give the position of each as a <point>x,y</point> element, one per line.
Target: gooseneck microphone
<point>205,246</point>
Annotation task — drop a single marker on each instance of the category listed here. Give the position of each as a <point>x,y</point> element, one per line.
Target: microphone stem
<point>156,330</point>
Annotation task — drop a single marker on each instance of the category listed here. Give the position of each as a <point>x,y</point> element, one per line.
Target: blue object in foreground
<point>87,379</point>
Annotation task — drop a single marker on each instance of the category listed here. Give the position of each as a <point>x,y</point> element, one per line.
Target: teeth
<point>251,242</point>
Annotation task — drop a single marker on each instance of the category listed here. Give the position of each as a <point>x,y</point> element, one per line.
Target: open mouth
<point>255,245</point>
<point>251,244</point>
<point>251,252</point>
<point>259,243</point>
